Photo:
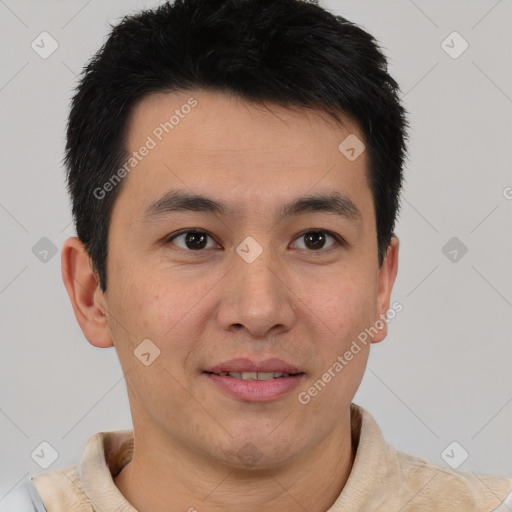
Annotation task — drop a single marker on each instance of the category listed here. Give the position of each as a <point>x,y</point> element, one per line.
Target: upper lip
<point>247,365</point>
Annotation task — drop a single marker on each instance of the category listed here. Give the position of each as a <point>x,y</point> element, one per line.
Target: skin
<point>301,305</point>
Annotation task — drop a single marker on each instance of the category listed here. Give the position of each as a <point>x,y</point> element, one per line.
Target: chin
<point>258,454</point>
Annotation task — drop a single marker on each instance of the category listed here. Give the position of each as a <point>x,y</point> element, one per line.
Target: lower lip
<point>256,390</point>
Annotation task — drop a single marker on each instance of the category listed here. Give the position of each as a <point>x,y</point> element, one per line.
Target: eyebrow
<point>177,201</point>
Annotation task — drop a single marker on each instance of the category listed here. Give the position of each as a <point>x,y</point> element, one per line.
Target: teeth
<point>255,375</point>
<point>266,375</point>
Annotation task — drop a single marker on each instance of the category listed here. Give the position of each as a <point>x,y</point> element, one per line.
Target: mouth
<point>255,382</point>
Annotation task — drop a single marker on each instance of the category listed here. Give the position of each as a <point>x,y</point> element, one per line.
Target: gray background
<point>442,375</point>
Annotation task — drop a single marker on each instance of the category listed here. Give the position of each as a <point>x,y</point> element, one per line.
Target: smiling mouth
<point>256,375</point>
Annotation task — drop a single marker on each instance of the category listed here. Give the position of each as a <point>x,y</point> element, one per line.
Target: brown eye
<point>316,240</point>
<point>192,240</point>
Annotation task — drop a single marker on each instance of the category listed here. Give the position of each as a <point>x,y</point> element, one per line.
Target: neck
<point>175,479</point>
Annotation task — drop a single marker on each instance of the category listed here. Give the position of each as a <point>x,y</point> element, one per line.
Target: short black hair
<point>290,53</point>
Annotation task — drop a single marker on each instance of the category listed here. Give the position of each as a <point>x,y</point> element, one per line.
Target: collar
<point>106,454</point>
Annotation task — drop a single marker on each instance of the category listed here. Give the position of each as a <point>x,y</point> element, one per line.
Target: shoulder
<point>55,491</point>
<point>386,479</point>
<point>23,498</point>
<point>427,486</point>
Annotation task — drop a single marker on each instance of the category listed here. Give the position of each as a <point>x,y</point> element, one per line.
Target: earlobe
<point>82,285</point>
<point>387,276</point>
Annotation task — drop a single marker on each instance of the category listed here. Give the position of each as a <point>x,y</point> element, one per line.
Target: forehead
<point>211,141</point>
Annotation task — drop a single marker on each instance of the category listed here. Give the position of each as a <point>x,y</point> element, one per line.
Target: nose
<point>256,297</point>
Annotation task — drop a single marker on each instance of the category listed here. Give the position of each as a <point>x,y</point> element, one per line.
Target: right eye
<point>192,240</point>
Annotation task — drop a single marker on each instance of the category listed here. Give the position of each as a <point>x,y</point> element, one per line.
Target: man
<point>235,170</point>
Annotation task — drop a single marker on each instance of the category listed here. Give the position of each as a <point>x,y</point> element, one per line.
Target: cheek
<point>153,306</point>
<point>340,305</point>
<point>145,307</point>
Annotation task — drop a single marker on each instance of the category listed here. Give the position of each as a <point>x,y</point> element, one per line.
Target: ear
<point>387,275</point>
<point>87,299</point>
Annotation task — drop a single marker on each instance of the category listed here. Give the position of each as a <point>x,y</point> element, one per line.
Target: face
<point>250,280</point>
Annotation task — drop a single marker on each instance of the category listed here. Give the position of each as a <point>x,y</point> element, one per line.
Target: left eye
<point>315,240</point>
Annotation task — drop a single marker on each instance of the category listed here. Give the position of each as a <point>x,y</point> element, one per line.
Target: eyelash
<point>341,242</point>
